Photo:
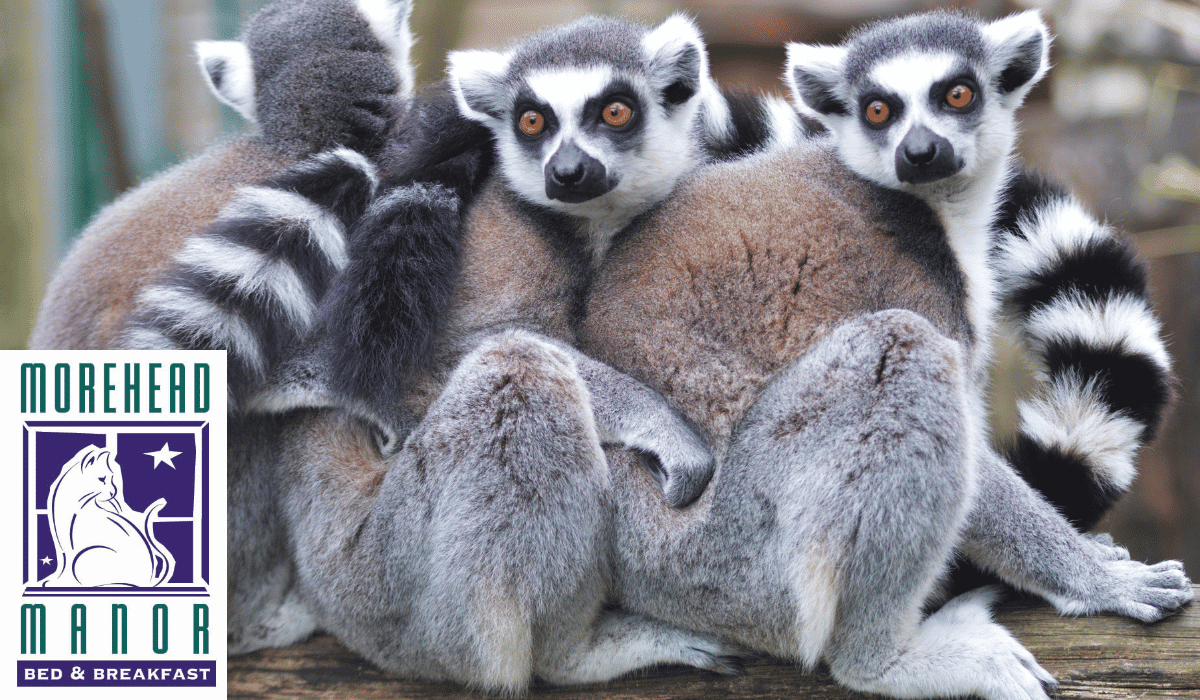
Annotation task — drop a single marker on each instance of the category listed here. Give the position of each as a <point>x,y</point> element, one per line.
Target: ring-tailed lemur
<point>762,299</point>
<point>771,300</point>
<point>311,75</point>
<point>909,112</point>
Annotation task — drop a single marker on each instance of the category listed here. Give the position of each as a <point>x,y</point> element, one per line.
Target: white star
<point>46,561</point>
<point>165,455</point>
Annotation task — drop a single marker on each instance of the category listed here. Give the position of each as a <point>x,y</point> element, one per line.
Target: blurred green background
<point>96,95</point>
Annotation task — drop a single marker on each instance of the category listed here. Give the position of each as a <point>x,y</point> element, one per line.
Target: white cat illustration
<point>100,540</point>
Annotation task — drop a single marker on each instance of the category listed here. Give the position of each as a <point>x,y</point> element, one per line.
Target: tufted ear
<point>477,81</point>
<point>229,72</point>
<point>389,22</point>
<point>1019,53</point>
<point>676,59</point>
<point>813,73</point>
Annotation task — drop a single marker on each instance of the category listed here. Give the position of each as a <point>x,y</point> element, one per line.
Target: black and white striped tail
<point>1077,292</point>
<point>250,284</point>
<point>381,314</point>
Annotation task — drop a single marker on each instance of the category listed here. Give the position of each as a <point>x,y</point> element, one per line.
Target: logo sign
<point>116,521</point>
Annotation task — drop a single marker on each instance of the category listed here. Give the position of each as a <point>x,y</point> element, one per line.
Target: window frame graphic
<point>201,518</point>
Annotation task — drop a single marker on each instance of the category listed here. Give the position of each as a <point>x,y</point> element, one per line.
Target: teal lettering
<point>87,387</point>
<point>62,387</point>
<point>153,387</point>
<point>33,387</point>
<point>177,392</point>
<point>78,629</point>
<point>132,387</point>
<point>159,642</point>
<point>109,388</point>
<point>120,629</point>
<point>33,628</point>
<point>199,628</point>
<point>201,387</point>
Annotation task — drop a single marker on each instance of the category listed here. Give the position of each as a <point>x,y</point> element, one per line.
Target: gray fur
<point>939,31</point>
<point>132,245</point>
<point>495,549</point>
<point>591,41</point>
<point>323,77</point>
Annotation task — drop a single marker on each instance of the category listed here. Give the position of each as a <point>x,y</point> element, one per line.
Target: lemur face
<point>917,119</point>
<point>593,118</point>
<point>581,128</point>
<point>924,103</point>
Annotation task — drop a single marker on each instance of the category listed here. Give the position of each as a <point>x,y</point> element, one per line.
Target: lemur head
<point>923,103</point>
<point>288,70</point>
<point>597,118</point>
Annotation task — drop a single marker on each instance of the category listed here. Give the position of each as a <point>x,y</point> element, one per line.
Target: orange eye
<point>878,112</point>
<point>617,114</point>
<point>960,96</point>
<point>532,123</point>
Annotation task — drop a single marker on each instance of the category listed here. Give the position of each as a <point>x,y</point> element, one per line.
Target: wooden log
<point>1097,657</point>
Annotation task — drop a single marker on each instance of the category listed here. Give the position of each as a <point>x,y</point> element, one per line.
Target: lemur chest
<point>737,277</point>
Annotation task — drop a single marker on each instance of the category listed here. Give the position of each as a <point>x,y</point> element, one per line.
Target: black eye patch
<point>527,101</point>
<point>963,76</point>
<point>625,137</point>
<point>869,94</point>
<point>969,115</point>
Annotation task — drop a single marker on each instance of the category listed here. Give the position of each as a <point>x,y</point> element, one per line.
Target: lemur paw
<point>1146,592</point>
<point>1151,591</point>
<point>1015,673</point>
<point>959,651</point>
<point>681,462</point>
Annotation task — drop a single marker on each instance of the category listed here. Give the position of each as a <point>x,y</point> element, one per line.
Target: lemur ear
<point>1019,54</point>
<point>676,59</point>
<point>389,22</point>
<point>477,81</point>
<point>229,72</point>
<point>813,73</point>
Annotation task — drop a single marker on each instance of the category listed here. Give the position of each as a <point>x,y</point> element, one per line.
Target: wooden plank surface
<point>1098,657</point>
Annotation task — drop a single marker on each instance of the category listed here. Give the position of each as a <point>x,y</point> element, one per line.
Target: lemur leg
<point>479,553</point>
<point>264,607</point>
<point>872,433</point>
<point>1014,532</point>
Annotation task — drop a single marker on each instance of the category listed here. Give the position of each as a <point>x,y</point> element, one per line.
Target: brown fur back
<point>510,276</point>
<point>744,268</point>
<point>132,240</point>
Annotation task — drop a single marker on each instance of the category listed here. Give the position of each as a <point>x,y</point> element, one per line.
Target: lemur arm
<point>1076,292</point>
<point>629,413</point>
<point>1014,533</point>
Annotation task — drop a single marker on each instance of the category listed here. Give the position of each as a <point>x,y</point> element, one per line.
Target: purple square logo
<point>116,508</point>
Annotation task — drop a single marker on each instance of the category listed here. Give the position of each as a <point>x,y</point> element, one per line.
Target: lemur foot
<point>959,651</point>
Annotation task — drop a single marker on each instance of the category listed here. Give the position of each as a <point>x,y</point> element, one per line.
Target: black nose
<point>921,150</point>
<point>564,173</point>
<point>923,156</point>
<point>573,176</point>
